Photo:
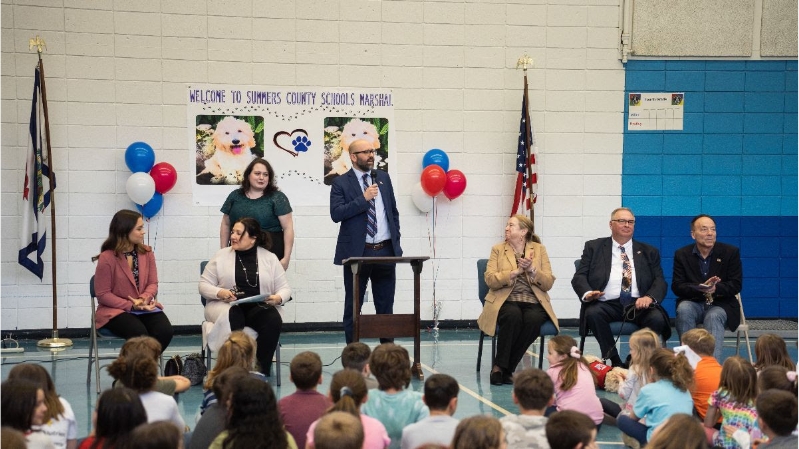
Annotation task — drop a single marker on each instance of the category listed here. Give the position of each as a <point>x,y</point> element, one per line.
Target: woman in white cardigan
<point>244,269</point>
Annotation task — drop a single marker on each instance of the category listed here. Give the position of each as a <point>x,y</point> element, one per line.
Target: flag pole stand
<point>55,343</point>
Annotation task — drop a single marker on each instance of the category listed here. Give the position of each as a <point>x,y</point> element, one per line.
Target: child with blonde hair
<point>667,393</point>
<point>238,350</point>
<point>770,349</point>
<point>643,344</point>
<point>707,372</point>
<point>735,402</point>
<point>573,379</point>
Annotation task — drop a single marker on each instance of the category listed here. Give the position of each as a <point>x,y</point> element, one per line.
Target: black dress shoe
<point>507,379</point>
<point>496,378</point>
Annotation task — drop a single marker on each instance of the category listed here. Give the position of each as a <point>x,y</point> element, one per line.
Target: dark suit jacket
<point>595,263</point>
<point>725,262</point>
<point>349,207</point>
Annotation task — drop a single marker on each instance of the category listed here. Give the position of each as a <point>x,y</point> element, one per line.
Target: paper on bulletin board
<point>655,111</point>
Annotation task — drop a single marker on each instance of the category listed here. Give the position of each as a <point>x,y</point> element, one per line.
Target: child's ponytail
<point>673,367</point>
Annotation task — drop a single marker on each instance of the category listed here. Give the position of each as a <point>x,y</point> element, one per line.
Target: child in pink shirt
<point>574,382</point>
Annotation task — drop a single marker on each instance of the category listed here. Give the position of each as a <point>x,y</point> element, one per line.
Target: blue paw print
<point>301,143</point>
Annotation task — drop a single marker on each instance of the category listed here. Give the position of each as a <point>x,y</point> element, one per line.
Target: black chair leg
<point>480,350</point>
<point>493,351</point>
<point>541,353</point>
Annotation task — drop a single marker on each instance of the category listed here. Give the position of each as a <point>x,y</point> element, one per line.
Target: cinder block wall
<point>117,73</point>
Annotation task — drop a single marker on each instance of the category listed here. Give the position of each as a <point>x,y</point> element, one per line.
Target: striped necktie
<point>625,296</point>
<point>371,215</point>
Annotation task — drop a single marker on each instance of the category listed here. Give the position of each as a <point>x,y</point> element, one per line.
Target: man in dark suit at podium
<point>362,200</point>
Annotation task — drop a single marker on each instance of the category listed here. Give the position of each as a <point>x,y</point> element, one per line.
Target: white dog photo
<point>233,141</point>
<point>355,129</point>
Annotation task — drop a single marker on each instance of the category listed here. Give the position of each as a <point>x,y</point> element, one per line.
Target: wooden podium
<point>388,326</point>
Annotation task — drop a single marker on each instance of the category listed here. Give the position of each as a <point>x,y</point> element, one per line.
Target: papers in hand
<point>144,312</point>
<point>256,298</point>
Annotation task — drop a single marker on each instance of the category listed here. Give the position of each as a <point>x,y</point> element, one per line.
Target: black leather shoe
<point>496,378</point>
<point>507,379</point>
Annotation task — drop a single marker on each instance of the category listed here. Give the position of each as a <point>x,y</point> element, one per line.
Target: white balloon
<point>140,187</point>
<point>421,199</point>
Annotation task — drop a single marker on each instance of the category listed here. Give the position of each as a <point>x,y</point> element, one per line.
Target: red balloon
<point>165,177</point>
<point>433,179</point>
<point>456,184</point>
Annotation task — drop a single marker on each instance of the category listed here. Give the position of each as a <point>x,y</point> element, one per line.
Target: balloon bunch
<point>437,178</point>
<point>150,181</point>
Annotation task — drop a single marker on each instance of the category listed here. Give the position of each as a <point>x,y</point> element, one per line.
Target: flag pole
<point>524,62</point>
<point>55,342</point>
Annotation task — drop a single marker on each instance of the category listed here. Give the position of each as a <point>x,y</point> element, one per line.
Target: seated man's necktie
<point>626,297</point>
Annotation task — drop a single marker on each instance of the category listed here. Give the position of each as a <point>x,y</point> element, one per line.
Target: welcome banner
<point>304,133</point>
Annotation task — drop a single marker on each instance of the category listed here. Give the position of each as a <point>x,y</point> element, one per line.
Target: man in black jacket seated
<point>707,276</point>
<point>621,277</point>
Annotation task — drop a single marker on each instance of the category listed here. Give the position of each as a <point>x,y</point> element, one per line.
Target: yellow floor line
<point>473,394</point>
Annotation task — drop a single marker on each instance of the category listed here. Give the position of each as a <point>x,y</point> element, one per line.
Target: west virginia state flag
<point>36,191</point>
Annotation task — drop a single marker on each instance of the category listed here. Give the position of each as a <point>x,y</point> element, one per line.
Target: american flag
<point>36,191</point>
<point>524,195</point>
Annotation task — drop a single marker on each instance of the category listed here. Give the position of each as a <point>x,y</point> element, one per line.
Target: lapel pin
<point>639,252</point>
<point>718,260</point>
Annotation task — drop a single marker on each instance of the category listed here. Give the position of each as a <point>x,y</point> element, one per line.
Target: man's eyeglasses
<point>621,222</point>
<point>367,152</point>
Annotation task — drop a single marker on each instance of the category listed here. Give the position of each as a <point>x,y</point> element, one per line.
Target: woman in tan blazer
<point>518,277</point>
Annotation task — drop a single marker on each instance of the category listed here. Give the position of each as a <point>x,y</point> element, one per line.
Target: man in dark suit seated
<point>707,276</point>
<point>621,278</point>
<point>362,200</point>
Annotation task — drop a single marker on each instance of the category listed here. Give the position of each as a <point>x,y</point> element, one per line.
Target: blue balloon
<point>152,207</point>
<point>436,157</point>
<point>139,157</point>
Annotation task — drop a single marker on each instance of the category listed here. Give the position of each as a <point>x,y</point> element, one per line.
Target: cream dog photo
<point>355,129</point>
<point>231,145</point>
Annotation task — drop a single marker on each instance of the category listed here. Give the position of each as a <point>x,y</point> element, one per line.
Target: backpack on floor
<point>174,366</point>
<point>194,368</point>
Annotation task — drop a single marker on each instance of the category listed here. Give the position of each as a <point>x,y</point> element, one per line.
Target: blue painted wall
<point>735,159</point>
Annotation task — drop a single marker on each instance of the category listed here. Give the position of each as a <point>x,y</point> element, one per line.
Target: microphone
<point>373,174</point>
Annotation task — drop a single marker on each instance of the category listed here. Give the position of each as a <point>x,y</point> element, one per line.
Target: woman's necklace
<point>246,278</point>
<point>253,195</point>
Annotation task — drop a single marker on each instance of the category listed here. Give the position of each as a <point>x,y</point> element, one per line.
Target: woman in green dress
<point>260,198</point>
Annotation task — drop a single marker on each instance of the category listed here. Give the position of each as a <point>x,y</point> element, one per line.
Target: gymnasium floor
<point>453,352</point>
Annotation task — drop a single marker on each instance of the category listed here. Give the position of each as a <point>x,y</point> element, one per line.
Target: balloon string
<point>435,264</point>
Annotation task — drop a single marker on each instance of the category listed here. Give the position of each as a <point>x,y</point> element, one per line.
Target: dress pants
<point>599,315</point>
<point>156,325</point>
<point>519,326</point>
<point>384,282</point>
<point>265,320</point>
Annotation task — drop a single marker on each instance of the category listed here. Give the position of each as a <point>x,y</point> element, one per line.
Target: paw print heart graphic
<point>294,142</point>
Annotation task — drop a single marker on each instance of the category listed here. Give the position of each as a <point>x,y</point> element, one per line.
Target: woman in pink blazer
<point>126,283</point>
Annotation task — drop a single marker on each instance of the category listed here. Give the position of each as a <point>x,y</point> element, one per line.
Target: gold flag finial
<point>524,62</point>
<point>37,42</point>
